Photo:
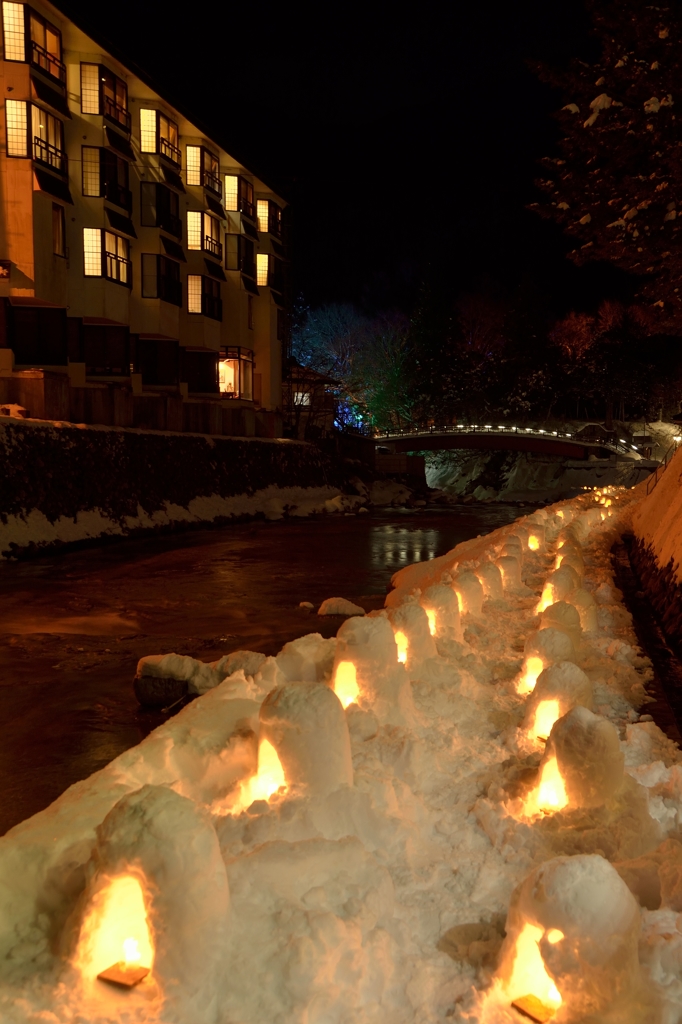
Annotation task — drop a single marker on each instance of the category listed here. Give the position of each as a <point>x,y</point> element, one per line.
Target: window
<point>231,192</point>
<point>48,139</point>
<point>161,279</point>
<point>90,89</point>
<point>46,48</point>
<point>102,92</point>
<point>106,255</point>
<point>91,170</point>
<point>241,254</point>
<point>301,398</point>
<point>194,293</point>
<point>203,232</point>
<point>203,296</point>
<point>158,134</point>
<point>275,220</point>
<point>58,230</point>
<point>249,312</point>
<point>148,131</point>
<point>246,204</point>
<point>106,174</point>
<point>16,120</point>
<point>235,373</point>
<point>203,169</point>
<point>13,31</point>
<point>92,252</point>
<point>262,268</point>
<point>116,262</point>
<point>262,213</point>
<point>160,208</point>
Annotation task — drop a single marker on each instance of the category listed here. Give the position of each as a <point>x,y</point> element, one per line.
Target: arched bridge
<point>501,438</point>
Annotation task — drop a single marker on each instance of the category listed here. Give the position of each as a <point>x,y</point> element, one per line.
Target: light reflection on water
<point>398,545</point>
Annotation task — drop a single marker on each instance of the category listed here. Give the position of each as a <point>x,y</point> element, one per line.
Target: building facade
<point>138,259</point>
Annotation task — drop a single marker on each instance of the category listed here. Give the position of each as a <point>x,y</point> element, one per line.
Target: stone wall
<point>61,483</point>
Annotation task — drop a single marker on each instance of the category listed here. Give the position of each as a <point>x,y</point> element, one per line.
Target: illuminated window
<point>58,230</point>
<point>92,252</point>
<point>46,48</point>
<point>117,264</point>
<point>168,139</point>
<point>262,213</point>
<point>16,117</point>
<point>91,171</point>
<point>301,398</point>
<point>194,293</point>
<point>90,89</point>
<point>195,228</point>
<point>235,373</point>
<point>194,165</point>
<point>262,267</point>
<point>231,192</point>
<point>14,33</point>
<point>48,139</point>
<point>148,131</point>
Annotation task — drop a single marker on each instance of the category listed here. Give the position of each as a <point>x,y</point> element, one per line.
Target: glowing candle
<point>346,684</point>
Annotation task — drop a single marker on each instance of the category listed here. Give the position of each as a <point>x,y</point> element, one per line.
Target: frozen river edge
<point>403,817</point>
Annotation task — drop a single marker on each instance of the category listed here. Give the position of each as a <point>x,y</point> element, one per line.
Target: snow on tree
<point>617,187</point>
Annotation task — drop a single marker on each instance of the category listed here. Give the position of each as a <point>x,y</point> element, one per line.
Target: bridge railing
<point>621,446</point>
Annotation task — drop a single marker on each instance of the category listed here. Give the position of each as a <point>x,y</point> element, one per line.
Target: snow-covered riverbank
<point>307,857</point>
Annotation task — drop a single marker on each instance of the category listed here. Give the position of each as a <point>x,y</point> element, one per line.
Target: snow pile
<point>344,832</point>
<point>657,521</point>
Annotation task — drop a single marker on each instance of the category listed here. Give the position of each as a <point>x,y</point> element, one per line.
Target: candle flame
<point>546,714</point>
<point>431,616</point>
<point>529,974</point>
<point>551,792</point>
<point>533,542</point>
<point>401,644</point>
<point>131,951</point>
<point>546,599</point>
<point>532,668</point>
<point>554,935</point>
<point>346,684</point>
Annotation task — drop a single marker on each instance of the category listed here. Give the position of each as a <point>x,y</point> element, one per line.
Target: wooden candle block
<point>532,1007</point>
<point>126,975</point>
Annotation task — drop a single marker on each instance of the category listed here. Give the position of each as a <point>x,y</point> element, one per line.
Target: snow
<point>372,879</point>
<point>339,606</point>
<point>657,520</point>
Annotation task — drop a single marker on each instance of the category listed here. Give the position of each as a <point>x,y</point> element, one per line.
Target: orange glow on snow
<point>431,616</point>
<point>115,929</point>
<point>533,542</point>
<point>529,974</point>
<point>554,936</point>
<point>346,683</point>
<point>546,714</point>
<point>401,644</point>
<point>532,668</point>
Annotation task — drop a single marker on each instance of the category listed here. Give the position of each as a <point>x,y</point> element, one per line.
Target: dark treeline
<point>487,355</point>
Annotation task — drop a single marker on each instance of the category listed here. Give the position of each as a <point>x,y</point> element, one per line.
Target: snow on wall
<point>61,482</point>
<point>382,896</point>
<point>657,521</point>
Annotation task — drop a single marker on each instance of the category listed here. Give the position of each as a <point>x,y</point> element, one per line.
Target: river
<point>74,625</point>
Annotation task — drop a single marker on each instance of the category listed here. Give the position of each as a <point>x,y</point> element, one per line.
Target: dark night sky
<point>405,137</point>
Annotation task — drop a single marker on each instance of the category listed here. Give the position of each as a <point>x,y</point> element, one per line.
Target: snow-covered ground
<point>282,854</point>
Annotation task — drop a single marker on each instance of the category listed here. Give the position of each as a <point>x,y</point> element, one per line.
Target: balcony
<point>247,267</point>
<point>170,290</point>
<point>48,63</point>
<point>211,181</point>
<point>170,223</point>
<point>247,208</point>
<point>115,112</point>
<point>170,152</point>
<point>50,156</point>
<point>118,194</point>
<point>214,247</point>
<point>118,269</point>
<point>212,307</point>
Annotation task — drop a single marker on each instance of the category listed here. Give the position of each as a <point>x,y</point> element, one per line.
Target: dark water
<point>73,626</point>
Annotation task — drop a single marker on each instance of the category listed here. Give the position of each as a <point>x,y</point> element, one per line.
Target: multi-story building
<point>141,266</point>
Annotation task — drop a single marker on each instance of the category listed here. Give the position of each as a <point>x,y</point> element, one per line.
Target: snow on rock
<point>199,676</point>
<point>339,606</point>
<point>339,833</point>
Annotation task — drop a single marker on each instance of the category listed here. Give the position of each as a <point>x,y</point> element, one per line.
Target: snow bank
<point>341,832</point>
<point>657,521</point>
